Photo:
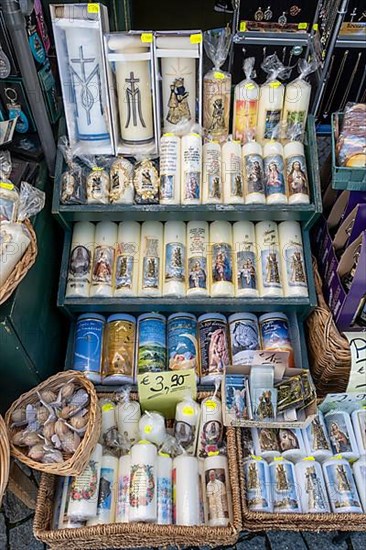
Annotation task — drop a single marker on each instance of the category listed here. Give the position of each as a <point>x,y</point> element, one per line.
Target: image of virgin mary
<point>178,103</point>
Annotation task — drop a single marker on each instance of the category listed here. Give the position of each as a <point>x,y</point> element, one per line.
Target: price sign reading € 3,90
<point>161,391</point>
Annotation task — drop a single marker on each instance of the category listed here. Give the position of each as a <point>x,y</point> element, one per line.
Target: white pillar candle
<point>174,259</point>
<point>359,428</point>
<point>221,259</point>
<point>216,103</point>
<point>292,259</point>
<point>213,346</point>
<point>108,489</point>
<point>123,495</point>
<point>85,488</point>
<point>268,258</point>
<point>152,427</point>
<point>151,264</point>
<point>313,494</point>
<point>143,482</point>
<point>274,173</point>
<point>296,173</point>
<point>254,185</point>
<point>15,240</point>
<point>103,261</point>
<point>121,190</point>
<point>127,259</point>
<point>232,170</point>
<point>246,98</point>
<point>341,434</point>
<point>212,187</point>
<point>170,150</point>
<point>109,420</point>
<point>80,262</point>
<point>197,249</point>
<point>211,427</point>
<point>316,438</point>
<point>285,490</point>
<point>134,90</point>
<point>164,489</point>
<point>201,478</point>
<point>295,109</point>
<point>218,491</point>
<point>186,496</point>
<point>341,487</point>
<point>191,169</point>
<point>245,261</point>
<point>270,110</point>
<point>291,444</point>
<point>359,474</point>
<point>187,415</point>
<point>128,417</point>
<point>266,443</point>
<point>257,485</point>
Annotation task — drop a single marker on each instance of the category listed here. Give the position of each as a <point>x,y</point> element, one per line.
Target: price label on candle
<point>243,26</point>
<point>302,26</point>
<point>219,76</point>
<point>93,8</point>
<point>161,391</point>
<point>146,37</point>
<point>5,185</point>
<point>196,38</point>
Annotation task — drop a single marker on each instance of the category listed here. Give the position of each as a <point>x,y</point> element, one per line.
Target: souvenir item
<point>128,415</point>
<point>341,434</point>
<point>237,406</point>
<point>275,334</point>
<point>316,439</point>
<point>191,169</point>
<point>80,261</point>
<point>296,173</point>
<point>245,262</point>
<point>61,519</point>
<point>174,259</point>
<point>258,494</point>
<point>119,349</point>
<point>247,442</point>
<point>121,182</point>
<point>72,180</point>
<point>109,422</point>
<point>197,249</point>
<point>254,177</point>
<point>264,403</point>
<point>88,346</point>
<point>211,427</point>
<point>108,486</point>
<point>246,98</point>
<point>212,183</point>
<point>213,346</point>
<point>15,110</point>
<point>274,173</point>
<point>34,41</point>
<point>164,489</point>
<point>268,260</point>
<point>143,482</point>
<point>218,491</point>
<point>342,491</point>
<point>151,347</point>
<point>244,336</point>
<point>97,186</point>
<point>170,161</point>
<point>313,496</point>
<point>151,259</point>
<point>85,488</point>
<point>125,276</point>
<point>291,444</point>
<point>5,66</point>
<point>221,256</point>
<point>232,173</point>
<point>103,260</point>
<point>186,496</point>
<point>271,101</point>
<point>266,443</point>
<point>359,428</point>
<point>123,495</point>
<point>146,182</point>
<point>359,474</point>
<point>292,259</point>
<point>182,342</point>
<point>9,201</point>
<point>285,491</point>
<point>187,417</point>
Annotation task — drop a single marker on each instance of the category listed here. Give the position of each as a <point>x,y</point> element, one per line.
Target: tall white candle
<point>218,491</point>
<point>186,496</point>
<point>296,173</point>
<point>245,262</point>
<point>187,415</point>
<point>85,488</point>
<point>164,489</point>
<point>15,241</point>
<point>170,150</point>
<point>221,256</point>
<point>211,427</point>
<point>128,417</point>
<point>291,444</point>
<point>285,490</point>
<point>197,249</point>
<point>212,190</point>
<point>258,493</point>
<point>359,473</point>
<point>127,259</point>
<point>359,428</point>
<point>254,185</point>
<point>274,173</point>
<point>201,477</point>
<point>191,169</point>
<point>295,109</point>
<point>108,489</point>
<point>151,264</point>
<point>121,190</point>
<point>174,259</point>
<point>309,475</point>
<point>270,110</point>
<point>152,427</point>
<point>123,495</point>
<point>232,170</point>
<point>216,103</point>
<point>143,482</point>
<point>268,258</point>
<point>103,261</point>
<point>292,259</point>
<point>341,486</point>
<point>246,97</point>
<point>316,438</point>
<point>80,262</point>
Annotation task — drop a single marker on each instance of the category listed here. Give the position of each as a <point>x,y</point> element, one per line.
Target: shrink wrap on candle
<point>15,241</point>
<point>212,185</point>
<point>109,421</point>
<point>245,259</point>
<point>186,495</point>
<point>152,427</point>
<point>258,493</point>
<point>218,491</point>
<point>341,487</point>
<point>211,427</point>
<point>254,179</point>
<point>359,474</point>
<point>270,105</point>
<point>108,489</point>
<point>85,489</point>
<point>103,261</point>
<point>314,499</point>
<point>232,170</point>
<point>285,489</point>
<point>187,416</point>
<point>123,496</point>
<point>296,173</point>
<point>274,173</point>
<point>292,259</point>
<point>128,418</point>
<point>80,262</point>
<point>164,489</point>
<point>127,259</point>
<point>197,265</point>
<point>191,169</point>
<point>143,483</point>
<point>151,264</point>
<point>174,259</point>
<point>246,98</point>
<point>122,190</point>
<point>170,161</point>
<point>221,259</point>
<point>268,259</point>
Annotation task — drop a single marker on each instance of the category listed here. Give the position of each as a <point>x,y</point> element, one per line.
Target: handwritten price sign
<point>161,391</point>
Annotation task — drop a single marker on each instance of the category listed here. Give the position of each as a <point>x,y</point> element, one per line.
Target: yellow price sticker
<point>255,457</point>
<point>211,405</point>
<point>302,26</point>
<point>160,453</point>
<point>93,8</point>
<point>144,442</point>
<point>309,458</point>
<point>213,453</point>
<point>97,169</point>
<point>218,75</point>
<point>188,410</point>
<point>108,407</point>
<point>148,429</point>
<point>249,86</point>
<point>315,27</point>
<point>146,37</point>
<point>275,84</point>
<point>193,134</point>
<point>168,134</point>
<point>243,26</point>
<point>195,38</point>
<point>278,459</point>
<point>5,185</point>
<point>337,457</point>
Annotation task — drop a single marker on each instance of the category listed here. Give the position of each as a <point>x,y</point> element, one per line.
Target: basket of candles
<point>54,427</point>
<point>4,458</point>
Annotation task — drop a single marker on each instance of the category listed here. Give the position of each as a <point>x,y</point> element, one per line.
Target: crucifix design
<point>133,96</point>
<point>87,97</point>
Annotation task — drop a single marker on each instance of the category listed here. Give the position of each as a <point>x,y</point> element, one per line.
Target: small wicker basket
<point>22,267</point>
<point>4,458</point>
<point>76,464</point>
<point>330,355</point>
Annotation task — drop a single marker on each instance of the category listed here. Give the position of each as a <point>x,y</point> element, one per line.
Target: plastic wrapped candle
<point>164,489</point>
<point>211,427</point>
<point>174,259</point>
<point>197,249</point>
<point>109,421</point>
<point>80,262</point>
<point>292,259</point>
<point>213,346</point>
<point>274,173</point>
<point>266,443</point>
<point>170,149</point>
<point>245,261</point>
<point>314,499</point>
<point>285,490</point>
<point>270,110</point>
<point>152,427</point>
<point>103,261</point>
<point>316,439</point>
<point>187,416</point>
<point>127,259</point>
<point>254,184</point>
<point>342,491</point>
<point>151,263</point>
<point>268,258</point>
<point>296,173</point>
<point>191,169</point>
<point>212,188</point>
<point>258,494</point>
<point>186,496</point>
<point>341,434</point>
<point>123,495</point>
<point>121,190</point>
<point>128,417</point>
<point>218,491</point>
<point>246,97</point>
<point>221,259</point>
<point>108,488</point>
<point>359,474</point>
<point>359,428</point>
<point>15,241</point>
<point>151,343</point>
<point>143,482</point>
<point>232,173</point>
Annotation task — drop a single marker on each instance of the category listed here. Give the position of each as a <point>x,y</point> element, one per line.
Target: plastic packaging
<point>246,98</point>
<point>351,142</point>
<point>5,165</point>
<point>271,99</point>
<point>72,180</point>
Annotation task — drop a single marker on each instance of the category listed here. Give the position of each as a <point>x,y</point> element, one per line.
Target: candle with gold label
<point>296,173</point>
<point>254,183</point>
<point>174,259</point>
<point>221,256</point>
<point>127,259</point>
<point>292,259</point>
<point>274,173</point>
<point>197,251</point>
<point>212,187</point>
<point>151,264</point>
<point>270,110</point>
<point>121,184</point>
<point>245,261</point>
<point>232,173</point>
<point>80,262</point>
<point>191,169</point>
<point>97,186</point>
<point>119,349</point>
<point>341,486</point>
<point>257,485</point>
<point>285,489</point>
<point>314,499</point>
<point>268,259</point>
<point>103,261</point>
<point>170,149</point>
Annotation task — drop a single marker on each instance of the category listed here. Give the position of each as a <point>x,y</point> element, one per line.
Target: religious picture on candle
<point>216,494</point>
<point>105,489</point>
<point>214,346</point>
<point>236,185</point>
<point>125,260</point>
<point>97,186</point>
<point>151,264</point>
<point>123,501</point>
<point>175,261</point>
<point>338,433</point>
<point>295,124</point>
<point>257,485</point>
<point>142,485</point>
<point>121,180</point>
<point>236,401</point>
<point>246,273</point>
<point>80,263</point>
<point>133,100</point>
<point>274,178</point>
<point>167,184</point>
<point>85,485</point>
<point>214,187</point>
<point>341,486</point>
<point>268,440</point>
<point>284,488</point>
<point>316,498</point>
<point>184,433</point>
<point>164,498</point>
<point>222,265</point>
<point>317,434</point>
<point>146,182</point>
<point>297,178</point>
<point>270,268</point>
<point>295,265</point>
<point>197,272</point>
<point>245,119</point>
<point>264,403</point>
<point>254,173</point>
<point>272,124</point>
<point>182,343</point>
<point>103,265</point>
<point>178,106</point>
<point>288,439</point>
<point>192,185</point>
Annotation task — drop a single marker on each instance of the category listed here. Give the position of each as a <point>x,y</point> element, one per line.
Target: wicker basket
<point>135,535</point>
<point>330,355</point>
<point>22,267</point>
<point>261,521</point>
<point>4,458</point>
<point>76,464</point>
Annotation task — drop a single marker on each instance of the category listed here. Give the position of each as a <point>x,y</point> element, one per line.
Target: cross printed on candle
<point>87,98</point>
<point>133,100</point>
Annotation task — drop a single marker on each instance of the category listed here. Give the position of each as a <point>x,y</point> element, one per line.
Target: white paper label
<point>357,344</point>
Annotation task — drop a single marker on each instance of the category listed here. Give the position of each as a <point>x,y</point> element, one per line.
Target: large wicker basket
<point>135,535</point>
<point>4,458</point>
<point>22,267</point>
<point>330,355</point>
<point>261,521</point>
<point>76,464</point>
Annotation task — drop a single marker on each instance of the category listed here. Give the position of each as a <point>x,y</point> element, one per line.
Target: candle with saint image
<point>127,259</point>
<point>212,189</point>
<point>254,188</point>
<point>292,259</point>
<point>270,110</point>
<point>218,491</point>
<point>221,259</point>
<point>187,416</point>
<point>174,259</point>
<point>274,173</point>
<point>128,417</point>
<point>197,266</point>
<point>80,262</point>
<point>211,427</point>
<point>314,499</point>
<point>216,103</point>
<point>170,149</point>
<point>191,169</point>
<point>151,263</point>
<point>268,259</point>
<point>245,261</point>
<point>296,173</point>
<point>232,173</point>
<point>246,97</point>
<point>123,495</point>
<point>103,261</point>
<point>164,489</point>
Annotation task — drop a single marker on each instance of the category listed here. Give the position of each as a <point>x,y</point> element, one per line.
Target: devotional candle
<point>119,349</point>
<point>186,494</point>
<point>245,262</point>
<point>128,415</point>
<point>254,181</point>
<point>296,173</point>
<point>174,259</point>
<point>108,489</point>
<point>143,482</point>
<point>221,259</point>
<point>197,264</point>
<point>212,186</point>
<point>284,486</point>
<point>258,494</point>
<point>341,434</point>
<point>268,259</point>
<point>359,427</point>
<point>313,496</point>
<point>191,169</point>
<point>232,173</point>
<point>359,474</point>
<point>244,336</point>
<point>121,189</point>
<point>170,150</point>
<point>275,334</point>
<point>274,173</point>
<point>246,98</point>
<point>15,241</point>
<point>152,427</point>
<point>151,343</point>
<point>127,259</point>
<point>266,443</point>
<point>88,346</point>
<point>216,103</point>
<point>123,493</point>
<point>291,444</point>
<point>80,262</point>
<point>151,264</point>
<point>213,346</point>
<point>342,491</point>
<point>217,491</point>
<point>103,261</point>
<point>182,342</point>
<point>211,427</point>
<point>316,438</point>
<point>187,417</point>
<point>270,110</point>
<point>295,109</point>
<point>292,259</point>
<point>164,489</point>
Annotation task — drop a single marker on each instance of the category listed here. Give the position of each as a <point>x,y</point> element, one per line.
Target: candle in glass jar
<point>123,495</point>
<point>274,173</point>
<point>296,173</point>
<point>197,265</point>
<point>151,264</point>
<point>143,482</point>
<point>221,265</point>
<point>187,416</point>
<point>246,97</point>
<point>108,488</point>
<point>170,149</point>
<point>268,259</point>
<point>218,491</point>
<point>182,342</point>
<point>295,109</point>
<point>186,495</point>
<point>88,346</point>
<point>244,336</point>
<point>254,188</point>
<point>127,259</point>
<point>80,262</point>
<point>151,343</point>
<point>212,192</point>
<point>191,169</point>
<point>245,262</point>
<point>292,259</point>
<point>276,335</point>
<point>216,103</point>
<point>164,489</point>
<point>174,259</point>
<point>232,173</point>
<point>213,346</point>
<point>103,261</point>
<point>270,110</point>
